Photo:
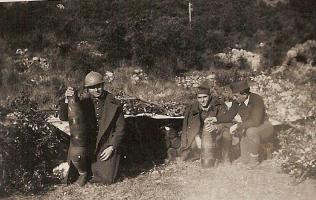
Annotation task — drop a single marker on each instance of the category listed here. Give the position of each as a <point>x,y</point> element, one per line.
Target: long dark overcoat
<point>110,133</point>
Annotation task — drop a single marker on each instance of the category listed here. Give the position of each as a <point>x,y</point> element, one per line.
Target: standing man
<point>204,107</point>
<point>253,125</point>
<point>106,126</point>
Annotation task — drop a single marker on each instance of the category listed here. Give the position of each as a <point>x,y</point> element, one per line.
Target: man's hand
<point>198,141</point>
<point>233,129</point>
<point>237,118</point>
<point>69,92</point>
<point>210,128</point>
<point>106,153</point>
<point>209,125</point>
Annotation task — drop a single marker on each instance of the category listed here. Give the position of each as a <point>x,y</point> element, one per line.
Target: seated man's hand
<point>209,125</point>
<point>106,153</point>
<point>210,128</point>
<point>237,118</point>
<point>233,129</point>
<point>198,141</point>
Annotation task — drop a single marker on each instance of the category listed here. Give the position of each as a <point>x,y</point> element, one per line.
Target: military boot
<point>82,180</point>
<point>253,161</point>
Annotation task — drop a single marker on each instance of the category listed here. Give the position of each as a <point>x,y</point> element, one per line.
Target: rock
<point>138,71</point>
<point>36,59</point>
<point>109,76</point>
<point>274,3</point>
<point>211,77</point>
<point>60,6</point>
<point>253,59</point>
<point>61,169</point>
<point>298,64</point>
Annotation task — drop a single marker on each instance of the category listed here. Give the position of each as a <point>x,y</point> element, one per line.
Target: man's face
<point>204,99</point>
<point>240,98</point>
<point>96,90</point>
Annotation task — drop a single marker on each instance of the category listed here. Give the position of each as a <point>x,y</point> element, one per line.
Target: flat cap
<point>238,87</point>
<point>203,90</point>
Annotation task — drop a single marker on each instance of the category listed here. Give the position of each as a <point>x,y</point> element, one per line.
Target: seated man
<point>206,107</point>
<point>253,125</point>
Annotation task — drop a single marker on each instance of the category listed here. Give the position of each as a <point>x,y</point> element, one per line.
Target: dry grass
<point>188,181</point>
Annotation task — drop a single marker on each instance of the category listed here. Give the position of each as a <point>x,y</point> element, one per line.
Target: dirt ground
<point>265,182</point>
<point>189,181</point>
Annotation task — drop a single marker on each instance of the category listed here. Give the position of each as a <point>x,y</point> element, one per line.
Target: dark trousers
<point>250,143</point>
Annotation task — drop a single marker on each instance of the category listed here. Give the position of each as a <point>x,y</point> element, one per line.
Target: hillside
<point>152,59</point>
<point>47,45</point>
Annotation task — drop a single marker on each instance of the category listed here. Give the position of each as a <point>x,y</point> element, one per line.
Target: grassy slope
<point>188,181</point>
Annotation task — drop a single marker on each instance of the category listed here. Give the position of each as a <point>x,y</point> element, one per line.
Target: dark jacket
<point>192,122</point>
<point>110,133</point>
<point>252,115</point>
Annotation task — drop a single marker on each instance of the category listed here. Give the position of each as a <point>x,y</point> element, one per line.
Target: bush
<point>298,150</point>
<point>29,146</point>
<point>226,77</point>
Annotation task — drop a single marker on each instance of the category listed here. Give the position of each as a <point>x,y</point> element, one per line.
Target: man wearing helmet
<point>105,124</point>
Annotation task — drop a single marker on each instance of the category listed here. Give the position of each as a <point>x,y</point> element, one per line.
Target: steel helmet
<point>93,78</point>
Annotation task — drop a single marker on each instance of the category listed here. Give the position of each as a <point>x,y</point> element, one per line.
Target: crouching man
<point>105,127</point>
<point>253,125</point>
<point>203,136</point>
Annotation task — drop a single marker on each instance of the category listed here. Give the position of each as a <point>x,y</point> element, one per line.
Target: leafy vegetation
<point>298,150</point>
<point>30,147</point>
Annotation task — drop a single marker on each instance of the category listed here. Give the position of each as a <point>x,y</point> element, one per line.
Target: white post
<point>190,13</point>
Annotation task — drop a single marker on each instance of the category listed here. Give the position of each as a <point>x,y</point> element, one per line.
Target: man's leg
<point>191,154</point>
<point>226,146</point>
<point>251,142</point>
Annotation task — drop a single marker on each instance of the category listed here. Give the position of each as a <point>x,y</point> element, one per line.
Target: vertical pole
<point>190,13</point>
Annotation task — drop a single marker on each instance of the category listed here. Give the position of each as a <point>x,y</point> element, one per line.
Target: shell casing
<point>208,149</point>
<point>78,129</point>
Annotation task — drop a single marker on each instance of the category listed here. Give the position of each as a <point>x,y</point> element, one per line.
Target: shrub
<point>29,146</point>
<point>226,77</point>
<point>298,150</point>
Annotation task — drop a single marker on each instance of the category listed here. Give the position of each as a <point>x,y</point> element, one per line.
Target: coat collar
<point>195,108</point>
<point>251,99</point>
<point>246,102</point>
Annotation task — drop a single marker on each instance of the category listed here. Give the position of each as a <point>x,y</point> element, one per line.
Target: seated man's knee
<point>183,155</point>
<point>252,133</point>
<point>226,135</point>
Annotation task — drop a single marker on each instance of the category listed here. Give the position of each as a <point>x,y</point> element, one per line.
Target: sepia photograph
<point>157,99</point>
